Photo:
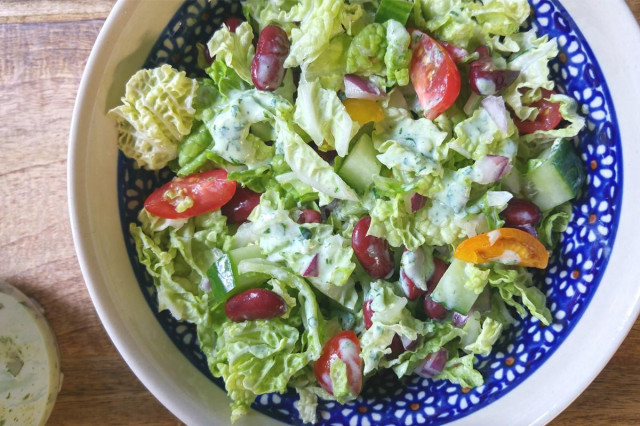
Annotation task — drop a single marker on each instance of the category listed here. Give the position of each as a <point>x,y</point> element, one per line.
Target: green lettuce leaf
<point>569,111</point>
<point>263,356</point>
<point>177,254</point>
<point>516,282</point>
<point>330,67</point>
<point>308,166</point>
<point>469,23</point>
<point>435,224</point>
<point>381,49</point>
<point>230,127</point>
<point>532,61</point>
<point>460,370</point>
<point>156,113</point>
<point>281,239</point>
<point>283,13</point>
<point>235,48</point>
<point>320,113</point>
<point>553,223</point>
<point>489,335</point>
<point>390,317</point>
<point>326,19</point>
<point>479,135</point>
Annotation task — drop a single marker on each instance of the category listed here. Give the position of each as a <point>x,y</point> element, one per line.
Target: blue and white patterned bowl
<point>572,280</point>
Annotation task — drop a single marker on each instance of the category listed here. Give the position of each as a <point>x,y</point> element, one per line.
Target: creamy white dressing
<point>415,267</point>
<point>349,354</point>
<point>493,236</point>
<point>508,257</point>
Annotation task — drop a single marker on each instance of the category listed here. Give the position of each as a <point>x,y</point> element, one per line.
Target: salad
<point>360,185</point>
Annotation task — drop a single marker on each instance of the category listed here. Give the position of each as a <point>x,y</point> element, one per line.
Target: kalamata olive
<point>520,212</point>
<point>439,268</point>
<point>255,304</point>
<point>490,82</point>
<point>309,216</point>
<point>433,309</point>
<point>372,252</point>
<point>267,68</point>
<point>233,23</point>
<point>238,209</point>
<point>411,291</point>
<point>367,313</point>
<point>484,79</point>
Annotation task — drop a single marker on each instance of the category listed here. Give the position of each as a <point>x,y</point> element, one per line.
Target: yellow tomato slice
<point>505,245</point>
<point>363,110</point>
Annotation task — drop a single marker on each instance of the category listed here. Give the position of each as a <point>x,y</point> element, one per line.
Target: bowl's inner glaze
<point>571,280</point>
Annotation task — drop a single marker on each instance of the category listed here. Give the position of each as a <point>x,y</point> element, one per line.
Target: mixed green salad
<point>360,185</point>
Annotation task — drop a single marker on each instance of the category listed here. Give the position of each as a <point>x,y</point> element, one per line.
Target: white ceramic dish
<point>126,38</point>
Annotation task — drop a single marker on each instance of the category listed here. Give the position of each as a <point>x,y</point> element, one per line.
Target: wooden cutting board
<point>44,45</point>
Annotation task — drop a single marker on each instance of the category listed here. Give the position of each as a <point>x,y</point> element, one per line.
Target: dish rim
<point>595,360</point>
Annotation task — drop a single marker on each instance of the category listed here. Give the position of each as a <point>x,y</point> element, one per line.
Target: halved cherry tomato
<point>434,74</point>
<point>548,116</point>
<point>191,195</point>
<point>363,110</point>
<point>346,346</point>
<point>504,245</point>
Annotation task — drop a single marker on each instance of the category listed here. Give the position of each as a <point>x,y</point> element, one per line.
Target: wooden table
<point>44,45</point>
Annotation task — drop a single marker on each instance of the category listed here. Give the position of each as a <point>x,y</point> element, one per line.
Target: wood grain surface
<point>44,46</point>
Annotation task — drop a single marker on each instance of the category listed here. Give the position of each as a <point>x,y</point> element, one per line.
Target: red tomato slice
<point>457,53</point>
<point>192,195</point>
<point>346,346</point>
<point>434,75</point>
<point>548,116</point>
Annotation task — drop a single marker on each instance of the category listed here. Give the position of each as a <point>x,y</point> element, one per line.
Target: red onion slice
<point>458,54</point>
<point>417,202</point>
<point>490,168</point>
<point>433,364</point>
<point>357,87</point>
<point>312,269</point>
<point>497,111</point>
<point>408,344</point>
<point>459,320</point>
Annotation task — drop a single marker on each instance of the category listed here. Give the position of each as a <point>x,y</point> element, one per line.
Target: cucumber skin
<point>223,274</point>
<point>451,291</point>
<point>562,163</point>
<point>361,166</point>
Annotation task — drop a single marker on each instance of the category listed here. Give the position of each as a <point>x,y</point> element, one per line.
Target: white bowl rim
<point>617,295</point>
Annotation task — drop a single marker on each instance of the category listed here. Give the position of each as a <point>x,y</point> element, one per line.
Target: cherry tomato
<point>504,245</point>
<point>254,304</point>
<point>346,346</point>
<point>372,252</point>
<point>238,209</point>
<point>191,195</point>
<point>434,75</point>
<point>548,116</point>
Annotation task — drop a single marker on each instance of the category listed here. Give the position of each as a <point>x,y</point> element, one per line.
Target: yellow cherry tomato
<point>363,110</point>
<point>505,245</point>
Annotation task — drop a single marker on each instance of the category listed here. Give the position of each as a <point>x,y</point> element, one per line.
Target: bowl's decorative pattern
<point>571,280</point>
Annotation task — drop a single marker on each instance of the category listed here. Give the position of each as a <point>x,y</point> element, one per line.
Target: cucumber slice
<point>556,176</point>
<point>398,10</point>
<point>451,291</point>
<point>361,166</point>
<point>224,277</point>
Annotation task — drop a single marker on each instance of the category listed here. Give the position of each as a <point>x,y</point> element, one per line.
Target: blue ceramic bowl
<point>571,280</point>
